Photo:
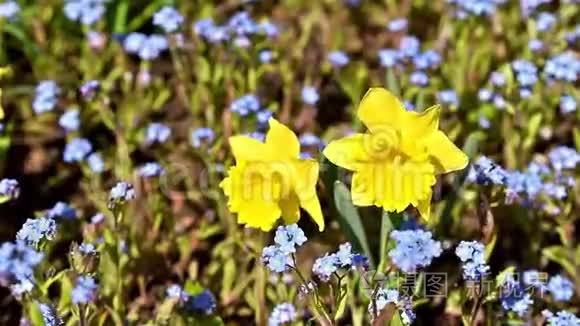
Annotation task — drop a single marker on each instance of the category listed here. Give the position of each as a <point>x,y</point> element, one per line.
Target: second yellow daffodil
<point>395,162</point>
<point>270,180</point>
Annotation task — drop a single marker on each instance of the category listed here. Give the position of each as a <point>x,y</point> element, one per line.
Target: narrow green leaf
<point>560,255</point>
<point>350,220</point>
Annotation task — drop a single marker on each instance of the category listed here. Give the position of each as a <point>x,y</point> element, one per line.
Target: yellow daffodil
<point>270,180</point>
<point>396,160</point>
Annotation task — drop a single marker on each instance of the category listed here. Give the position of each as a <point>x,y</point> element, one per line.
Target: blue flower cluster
<point>150,170</point>
<point>9,189</point>
<point>404,305</point>
<point>96,163</point>
<point>481,8</point>
<point>245,105</point>
<point>561,288</point>
<point>513,296</point>
<point>157,133</point>
<point>70,121</point>
<point>414,249</point>
<point>122,192</point>
<point>283,313</point>
<point>203,302</point>
<point>561,318</point>
<point>563,67</point>
<point>46,96</point>
<point>87,12</point>
<point>471,254</point>
<point>287,239</point>
<point>202,135</point>
<point>9,9</point>
<point>61,210</point>
<point>344,258</point>
<point>33,231</point>
<point>17,263</point>
<point>49,315</point>
<point>238,28</point>
<point>85,290</point>
<point>89,89</point>
<point>338,59</point>
<point>168,19</point>
<point>77,150</point>
<point>146,47</point>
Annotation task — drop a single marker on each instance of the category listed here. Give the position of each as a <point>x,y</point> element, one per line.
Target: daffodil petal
<point>305,189</point>
<point>423,123</point>
<point>347,152</point>
<point>379,107</point>
<point>362,189</point>
<point>246,148</point>
<point>445,156</point>
<point>424,207</point>
<point>290,209</point>
<point>259,214</point>
<point>282,141</point>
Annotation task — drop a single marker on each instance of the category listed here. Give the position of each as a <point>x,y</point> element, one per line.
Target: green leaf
<point>192,287</point>
<point>349,219</point>
<point>389,221</point>
<point>560,255</point>
<point>341,307</point>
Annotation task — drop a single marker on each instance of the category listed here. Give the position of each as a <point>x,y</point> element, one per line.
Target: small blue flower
<point>147,47</point>
<point>49,315</point>
<point>360,261</point>
<point>397,25</point>
<point>282,314</point>
<point>87,249</point>
<point>419,78</point>
<point>263,116</point>
<point>87,12</point>
<point>484,122</point>
<point>150,170</point>
<point>414,249</point>
<point>310,95</point>
<point>204,302</point>
<point>266,56</point>
<point>545,21</point>
<point>242,23</point>
<point>89,89</point>
<point>9,188</point>
<point>269,29</point>
<point>257,135</point>
<point>471,253</point>
<point>564,67</point>
<point>289,237</point>
<point>563,157</point>
<point>310,140</point>
<point>96,163</point>
<point>338,59</point>
<point>562,318</point>
<point>513,298</point>
<point>62,210</point>
<point>499,102</point>
<point>484,95</point>
<point>325,266</point>
<point>35,230</point>
<point>202,135</point>
<point>168,19</point>
<point>409,46</point>
<point>561,288</point>
<point>497,79</point>
<point>122,191</point>
<point>388,57</point>
<point>17,262</point>
<point>157,133</point>
<point>85,290</point>
<point>427,60</point>
<point>46,96</point>
<point>9,9</point>
<point>567,104</point>
<point>69,121</point>
<point>275,259</point>
<point>535,45</point>
<point>448,97</point>
<point>485,171</point>
<point>175,292</point>
<point>76,150</point>
<point>97,218</point>
<point>344,255</point>
<point>245,105</point>
<point>207,30</point>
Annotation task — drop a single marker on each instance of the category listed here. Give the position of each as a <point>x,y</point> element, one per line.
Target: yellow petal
<point>424,207</point>
<point>362,189</point>
<point>246,148</point>
<point>282,141</point>
<point>290,207</point>
<point>423,123</point>
<point>347,152</point>
<point>379,107</point>
<point>305,189</point>
<point>259,214</point>
<point>445,156</point>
